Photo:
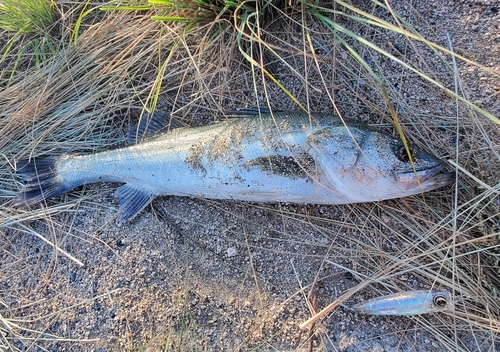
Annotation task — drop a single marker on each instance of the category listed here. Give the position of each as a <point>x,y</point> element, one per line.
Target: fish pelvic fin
<point>42,181</point>
<point>132,200</point>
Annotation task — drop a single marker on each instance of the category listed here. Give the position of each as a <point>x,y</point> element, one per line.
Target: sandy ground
<point>203,275</point>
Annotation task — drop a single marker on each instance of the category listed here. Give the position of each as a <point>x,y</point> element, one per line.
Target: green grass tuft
<point>32,25</point>
<point>27,16</point>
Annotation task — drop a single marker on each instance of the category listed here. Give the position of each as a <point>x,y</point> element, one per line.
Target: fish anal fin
<point>151,125</point>
<point>132,200</point>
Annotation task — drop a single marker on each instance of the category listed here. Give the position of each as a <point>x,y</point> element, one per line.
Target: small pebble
<point>232,252</point>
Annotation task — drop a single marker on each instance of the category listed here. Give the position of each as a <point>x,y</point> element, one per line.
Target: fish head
<point>366,165</point>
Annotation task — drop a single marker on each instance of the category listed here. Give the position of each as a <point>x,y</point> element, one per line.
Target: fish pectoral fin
<point>132,200</point>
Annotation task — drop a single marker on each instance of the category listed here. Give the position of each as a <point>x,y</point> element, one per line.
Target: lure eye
<point>402,154</point>
<point>439,301</point>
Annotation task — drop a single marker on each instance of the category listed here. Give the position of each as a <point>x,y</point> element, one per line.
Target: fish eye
<point>439,301</point>
<point>402,154</point>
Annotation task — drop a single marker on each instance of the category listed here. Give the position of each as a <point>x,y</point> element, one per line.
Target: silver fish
<point>284,157</point>
<point>407,303</point>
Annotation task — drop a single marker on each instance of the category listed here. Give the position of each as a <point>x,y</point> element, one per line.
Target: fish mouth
<point>428,178</point>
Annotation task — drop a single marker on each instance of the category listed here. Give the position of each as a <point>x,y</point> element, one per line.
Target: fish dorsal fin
<point>151,125</point>
<point>255,111</point>
<point>132,200</point>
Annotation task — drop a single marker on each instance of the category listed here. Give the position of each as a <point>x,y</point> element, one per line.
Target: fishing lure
<point>407,303</point>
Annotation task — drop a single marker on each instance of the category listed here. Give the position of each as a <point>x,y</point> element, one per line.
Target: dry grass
<point>175,286</point>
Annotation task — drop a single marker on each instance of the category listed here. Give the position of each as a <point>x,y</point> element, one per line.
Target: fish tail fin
<point>42,181</point>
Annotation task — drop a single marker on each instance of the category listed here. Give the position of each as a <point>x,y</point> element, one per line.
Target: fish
<point>408,303</point>
<point>292,157</point>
